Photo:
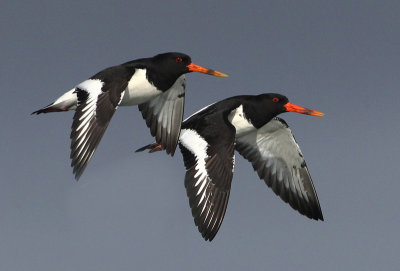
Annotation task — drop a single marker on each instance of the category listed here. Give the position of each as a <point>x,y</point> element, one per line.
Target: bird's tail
<point>48,109</point>
<point>66,102</point>
<point>153,147</point>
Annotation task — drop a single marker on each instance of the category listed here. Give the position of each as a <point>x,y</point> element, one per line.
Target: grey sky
<point>129,211</point>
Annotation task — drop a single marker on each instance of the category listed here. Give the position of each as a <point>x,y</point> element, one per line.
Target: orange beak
<point>196,68</point>
<point>302,110</point>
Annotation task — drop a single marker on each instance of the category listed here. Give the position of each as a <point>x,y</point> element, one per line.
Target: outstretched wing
<point>96,106</point>
<point>209,161</point>
<point>164,113</point>
<point>275,155</point>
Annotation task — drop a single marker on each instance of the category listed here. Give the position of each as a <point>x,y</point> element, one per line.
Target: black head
<point>180,63</point>
<point>274,102</point>
<point>267,106</point>
<point>166,68</point>
<point>173,63</point>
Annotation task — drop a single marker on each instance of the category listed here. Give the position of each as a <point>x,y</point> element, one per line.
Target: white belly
<point>238,120</point>
<point>139,89</point>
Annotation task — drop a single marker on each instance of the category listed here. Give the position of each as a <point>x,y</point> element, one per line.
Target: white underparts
<point>139,89</point>
<point>238,119</point>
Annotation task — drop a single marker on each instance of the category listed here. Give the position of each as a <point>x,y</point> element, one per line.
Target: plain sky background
<point>129,211</point>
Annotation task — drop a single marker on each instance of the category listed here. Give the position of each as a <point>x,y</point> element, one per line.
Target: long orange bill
<point>196,68</point>
<point>302,110</point>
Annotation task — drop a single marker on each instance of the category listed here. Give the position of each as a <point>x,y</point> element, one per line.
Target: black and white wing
<point>96,105</point>
<point>275,155</point>
<point>164,114</point>
<point>209,161</point>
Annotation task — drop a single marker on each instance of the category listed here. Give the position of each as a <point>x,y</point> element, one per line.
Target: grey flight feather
<point>164,115</point>
<point>277,158</point>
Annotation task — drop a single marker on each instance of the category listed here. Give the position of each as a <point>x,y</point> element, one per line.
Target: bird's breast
<point>139,89</point>
<point>238,119</point>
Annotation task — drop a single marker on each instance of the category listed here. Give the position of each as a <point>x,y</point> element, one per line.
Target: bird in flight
<point>155,84</point>
<point>249,125</point>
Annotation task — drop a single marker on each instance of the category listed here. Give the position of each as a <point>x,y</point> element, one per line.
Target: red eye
<point>178,59</point>
<point>275,100</point>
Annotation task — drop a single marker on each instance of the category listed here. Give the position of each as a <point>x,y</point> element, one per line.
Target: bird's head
<point>278,104</point>
<point>272,104</point>
<point>178,63</point>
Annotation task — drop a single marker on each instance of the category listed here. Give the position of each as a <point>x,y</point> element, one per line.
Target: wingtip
<point>314,213</point>
<point>209,238</point>
<point>77,175</point>
<point>317,216</point>
<point>77,169</point>
<point>208,235</point>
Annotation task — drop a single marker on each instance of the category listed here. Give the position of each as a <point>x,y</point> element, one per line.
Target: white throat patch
<point>139,89</point>
<point>239,121</point>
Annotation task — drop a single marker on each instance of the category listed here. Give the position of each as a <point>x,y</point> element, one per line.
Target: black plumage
<point>157,85</point>
<point>249,125</point>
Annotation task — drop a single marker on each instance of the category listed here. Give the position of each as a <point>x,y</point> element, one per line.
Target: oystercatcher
<point>250,125</point>
<point>156,84</point>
